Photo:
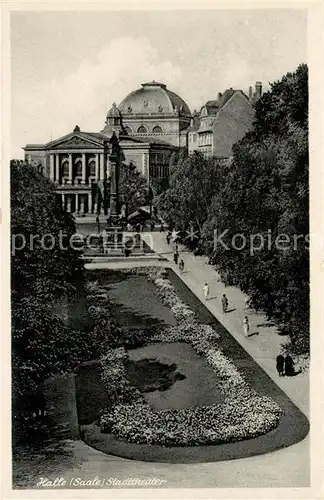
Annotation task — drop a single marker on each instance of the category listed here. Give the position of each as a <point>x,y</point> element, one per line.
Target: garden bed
<point>248,410</point>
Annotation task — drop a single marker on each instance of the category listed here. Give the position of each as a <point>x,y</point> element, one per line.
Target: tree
<point>44,268</point>
<point>133,188</point>
<point>193,182</point>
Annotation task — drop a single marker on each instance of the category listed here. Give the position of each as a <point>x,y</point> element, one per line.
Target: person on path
<point>174,235</point>
<point>280,364</point>
<point>206,291</point>
<point>181,266</point>
<point>224,303</point>
<point>246,326</point>
<point>176,257</point>
<point>168,237</point>
<point>289,366</point>
<point>152,226</point>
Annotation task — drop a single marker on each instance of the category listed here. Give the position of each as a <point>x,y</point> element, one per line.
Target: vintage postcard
<point>162,217</point>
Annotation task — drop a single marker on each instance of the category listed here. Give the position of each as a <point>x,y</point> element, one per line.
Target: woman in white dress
<point>246,326</point>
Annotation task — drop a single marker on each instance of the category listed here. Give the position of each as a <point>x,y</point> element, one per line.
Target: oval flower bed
<point>244,414</point>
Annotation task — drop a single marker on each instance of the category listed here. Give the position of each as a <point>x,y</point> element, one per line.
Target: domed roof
<point>153,97</point>
<point>114,111</point>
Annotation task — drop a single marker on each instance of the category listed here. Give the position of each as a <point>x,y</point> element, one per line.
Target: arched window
<point>141,130</point>
<point>92,168</point>
<point>78,168</point>
<point>157,130</point>
<point>65,169</point>
<point>128,130</point>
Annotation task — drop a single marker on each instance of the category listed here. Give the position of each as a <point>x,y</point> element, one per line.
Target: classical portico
<point>76,175</point>
<point>79,166</point>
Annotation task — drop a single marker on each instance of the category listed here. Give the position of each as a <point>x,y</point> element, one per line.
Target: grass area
<point>137,304</point>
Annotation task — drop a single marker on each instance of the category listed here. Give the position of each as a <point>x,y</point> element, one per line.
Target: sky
<point>67,68</point>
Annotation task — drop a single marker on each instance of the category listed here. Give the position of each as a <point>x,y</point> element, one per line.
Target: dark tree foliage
<point>46,278</point>
<point>193,182</point>
<point>266,195</point>
<point>46,265</point>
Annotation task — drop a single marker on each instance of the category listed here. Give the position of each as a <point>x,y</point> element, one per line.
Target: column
<point>63,201</point>
<point>97,166</point>
<point>101,167</point>
<point>76,202</point>
<point>83,180</point>
<point>52,167</point>
<point>57,168</point>
<point>108,171</point>
<point>68,206</point>
<point>70,169</point>
<point>90,202</point>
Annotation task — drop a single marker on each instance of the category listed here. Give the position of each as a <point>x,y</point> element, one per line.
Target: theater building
<point>151,123</point>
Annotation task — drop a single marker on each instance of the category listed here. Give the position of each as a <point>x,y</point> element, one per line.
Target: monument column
<point>63,201</point>
<point>70,169</point>
<point>76,202</point>
<point>83,180</point>
<point>146,166</point>
<point>52,167</point>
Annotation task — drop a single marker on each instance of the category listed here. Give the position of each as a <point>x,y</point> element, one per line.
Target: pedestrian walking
<point>246,326</point>
<point>168,237</point>
<point>152,226</point>
<point>181,266</point>
<point>174,235</point>
<point>280,365</point>
<point>206,291</point>
<point>176,257</point>
<point>224,303</point>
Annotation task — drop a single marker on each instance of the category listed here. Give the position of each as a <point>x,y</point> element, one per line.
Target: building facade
<point>78,164</point>
<point>223,122</point>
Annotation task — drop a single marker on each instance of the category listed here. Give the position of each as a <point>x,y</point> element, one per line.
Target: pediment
<point>75,141</point>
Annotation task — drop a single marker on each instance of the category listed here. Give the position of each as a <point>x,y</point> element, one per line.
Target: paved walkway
<point>263,345</point>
